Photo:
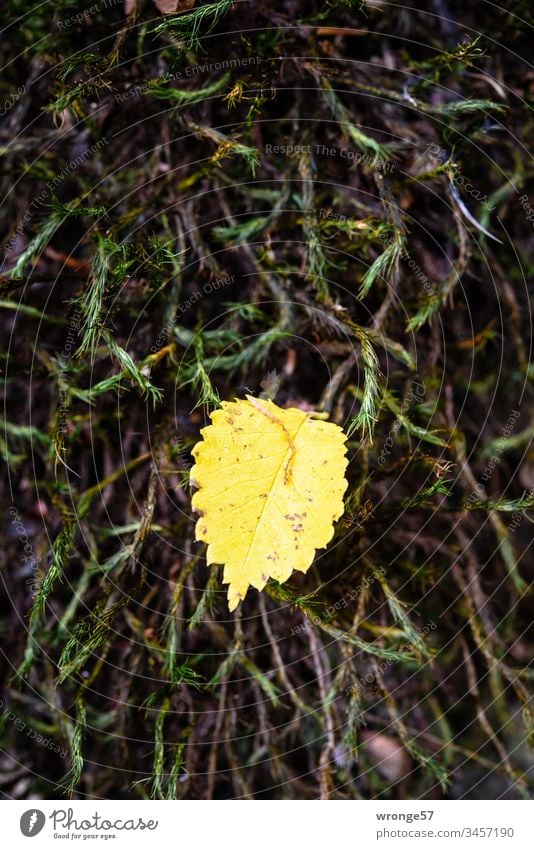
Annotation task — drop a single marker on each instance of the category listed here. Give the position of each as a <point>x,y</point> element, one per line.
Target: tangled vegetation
<point>322,203</point>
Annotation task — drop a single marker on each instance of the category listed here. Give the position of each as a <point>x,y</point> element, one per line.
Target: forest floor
<point>329,204</point>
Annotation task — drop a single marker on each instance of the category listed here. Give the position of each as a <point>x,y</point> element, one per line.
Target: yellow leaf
<point>270,486</point>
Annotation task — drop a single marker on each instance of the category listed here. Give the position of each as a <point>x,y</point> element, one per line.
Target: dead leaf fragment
<point>387,754</point>
<point>171,7</point>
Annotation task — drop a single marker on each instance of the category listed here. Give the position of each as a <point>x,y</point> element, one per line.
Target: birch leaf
<point>270,486</point>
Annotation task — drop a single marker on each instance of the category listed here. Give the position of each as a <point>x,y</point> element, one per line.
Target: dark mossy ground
<point>328,204</point>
